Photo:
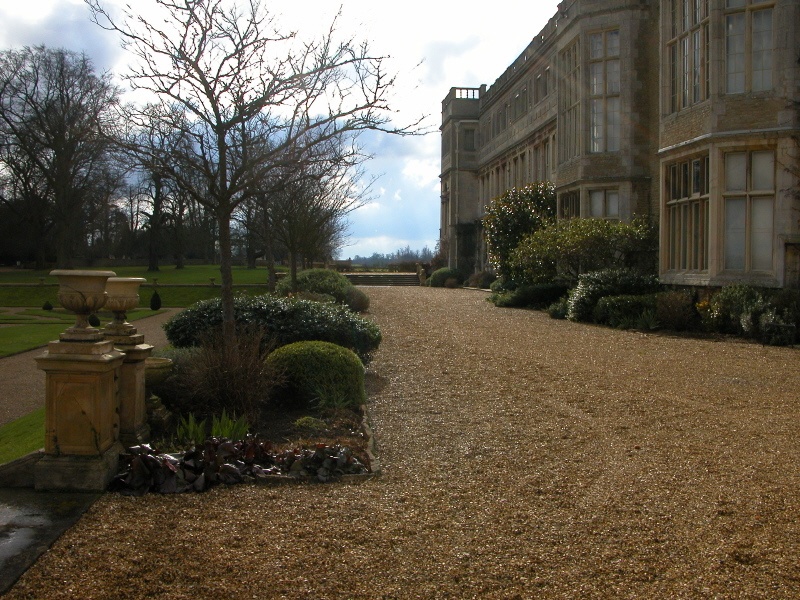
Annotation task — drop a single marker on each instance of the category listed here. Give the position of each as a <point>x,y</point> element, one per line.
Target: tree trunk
<point>226,274</point>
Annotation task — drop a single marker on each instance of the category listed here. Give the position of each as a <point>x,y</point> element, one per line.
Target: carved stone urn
<point>83,293</point>
<point>123,295</point>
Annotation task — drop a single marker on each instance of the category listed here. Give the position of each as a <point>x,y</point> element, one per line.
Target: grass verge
<point>21,437</point>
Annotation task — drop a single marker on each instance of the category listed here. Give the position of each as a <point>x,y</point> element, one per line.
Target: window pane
<point>596,201</point>
<point>735,3</point>
<point>734,51</point>
<point>613,133</point>
<point>596,87</point>
<point>596,45</point>
<point>762,50</point>
<point>612,204</point>
<point>735,209</point>
<point>612,74</point>
<point>736,171</point>
<point>763,170</point>
<point>596,126</point>
<point>612,43</point>
<point>761,235</point>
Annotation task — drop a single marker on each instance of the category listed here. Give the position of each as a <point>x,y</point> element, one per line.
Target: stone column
<point>122,297</point>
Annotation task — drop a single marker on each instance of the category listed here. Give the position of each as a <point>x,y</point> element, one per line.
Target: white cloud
<point>430,47</point>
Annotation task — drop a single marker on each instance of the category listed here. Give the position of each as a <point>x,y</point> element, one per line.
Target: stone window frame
<point>569,122</point>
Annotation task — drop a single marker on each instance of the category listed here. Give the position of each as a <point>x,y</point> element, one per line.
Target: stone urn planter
<point>156,370</point>
<point>123,295</point>
<point>83,293</point>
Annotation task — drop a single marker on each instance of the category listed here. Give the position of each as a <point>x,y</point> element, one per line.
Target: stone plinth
<point>133,427</point>
<point>81,415</point>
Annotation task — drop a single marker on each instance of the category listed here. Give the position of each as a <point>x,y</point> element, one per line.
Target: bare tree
<point>247,92</point>
<point>57,116</point>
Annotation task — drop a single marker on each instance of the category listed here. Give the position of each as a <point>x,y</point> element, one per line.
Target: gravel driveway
<point>523,458</point>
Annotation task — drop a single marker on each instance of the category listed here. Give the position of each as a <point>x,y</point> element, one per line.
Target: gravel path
<point>23,385</point>
<point>523,458</point>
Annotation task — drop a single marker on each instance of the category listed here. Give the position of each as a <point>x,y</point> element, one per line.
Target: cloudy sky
<point>434,45</point>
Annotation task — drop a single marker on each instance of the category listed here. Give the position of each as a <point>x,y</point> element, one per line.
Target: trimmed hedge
<point>623,311</point>
<point>608,282</point>
<point>441,277</point>
<point>284,319</point>
<point>534,296</point>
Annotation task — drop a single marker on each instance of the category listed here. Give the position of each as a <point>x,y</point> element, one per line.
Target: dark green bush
<point>623,311</point>
<point>213,377</point>
<point>440,277</point>
<point>482,280</point>
<point>155,301</point>
<point>609,282</point>
<point>558,309</point>
<point>357,300</point>
<point>675,311</point>
<point>286,320</point>
<point>534,296</point>
<point>786,303</point>
<point>94,320</point>
<point>318,373</point>
<point>47,305</point>
<point>501,285</point>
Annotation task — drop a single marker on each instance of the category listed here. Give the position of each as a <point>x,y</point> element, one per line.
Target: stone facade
<point>681,111</point>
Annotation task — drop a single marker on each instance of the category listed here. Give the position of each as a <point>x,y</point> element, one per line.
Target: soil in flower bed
<point>314,446</point>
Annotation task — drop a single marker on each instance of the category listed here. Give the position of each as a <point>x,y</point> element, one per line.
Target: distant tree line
<point>402,255</point>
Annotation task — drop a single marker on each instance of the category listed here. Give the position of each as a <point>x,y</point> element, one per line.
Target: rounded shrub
<point>535,296</point>
<point>318,373</point>
<point>47,305</point>
<point>357,300</point>
<point>440,277</point>
<point>284,320</point>
<point>608,282</point>
<point>675,310</point>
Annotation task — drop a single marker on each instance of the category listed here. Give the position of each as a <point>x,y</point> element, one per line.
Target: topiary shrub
<point>440,277</point>
<point>47,305</point>
<point>286,320</point>
<point>625,311</point>
<point>609,282</point>
<point>534,296</point>
<point>318,373</point>
<point>94,320</point>
<point>357,300</point>
<point>155,301</point>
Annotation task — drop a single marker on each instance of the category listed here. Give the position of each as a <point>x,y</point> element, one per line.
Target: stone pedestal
<point>133,427</point>
<point>81,415</point>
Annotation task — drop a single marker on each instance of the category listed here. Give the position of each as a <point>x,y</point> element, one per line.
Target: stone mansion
<point>684,111</point>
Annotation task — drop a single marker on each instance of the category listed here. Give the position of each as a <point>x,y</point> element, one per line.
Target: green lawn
<point>21,437</point>
<point>168,275</point>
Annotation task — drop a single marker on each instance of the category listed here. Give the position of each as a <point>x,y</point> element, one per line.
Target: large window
<point>749,204</point>
<point>604,204</point>
<point>604,89</point>
<point>569,124</point>
<point>687,214</point>
<point>688,53</point>
<point>748,46</point>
